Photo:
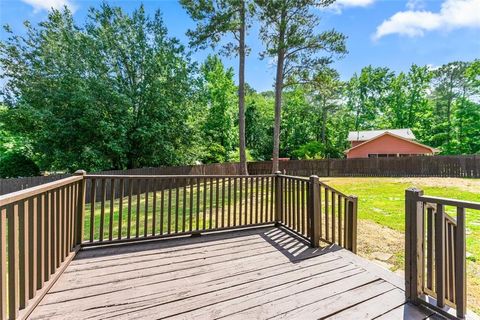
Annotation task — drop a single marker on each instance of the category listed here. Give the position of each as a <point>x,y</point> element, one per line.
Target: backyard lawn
<point>382,221</point>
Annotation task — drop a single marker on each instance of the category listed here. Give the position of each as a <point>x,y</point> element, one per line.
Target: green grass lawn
<point>382,201</point>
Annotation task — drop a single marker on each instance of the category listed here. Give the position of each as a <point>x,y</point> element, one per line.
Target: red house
<point>386,143</point>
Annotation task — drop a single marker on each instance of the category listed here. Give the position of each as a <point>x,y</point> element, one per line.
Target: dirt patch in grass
<point>470,185</point>
<point>374,238</point>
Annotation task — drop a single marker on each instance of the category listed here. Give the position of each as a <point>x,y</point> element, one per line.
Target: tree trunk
<point>324,123</point>
<point>241,93</point>
<point>278,107</point>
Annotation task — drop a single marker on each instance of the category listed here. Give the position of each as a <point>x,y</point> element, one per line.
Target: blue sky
<point>390,33</point>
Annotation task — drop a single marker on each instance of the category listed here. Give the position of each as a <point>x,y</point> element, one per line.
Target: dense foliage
<point>119,92</point>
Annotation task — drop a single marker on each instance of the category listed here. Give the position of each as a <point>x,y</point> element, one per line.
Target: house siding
<point>387,144</point>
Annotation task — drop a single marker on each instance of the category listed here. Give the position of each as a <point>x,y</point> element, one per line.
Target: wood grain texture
<point>250,274</point>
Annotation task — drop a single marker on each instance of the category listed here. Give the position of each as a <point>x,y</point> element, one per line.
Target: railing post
<point>314,209</point>
<point>80,216</point>
<point>413,243</point>
<point>278,197</point>
<point>352,223</point>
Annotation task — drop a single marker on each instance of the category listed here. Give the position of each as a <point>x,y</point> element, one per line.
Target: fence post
<point>314,209</point>
<point>278,198</point>
<point>80,216</point>
<point>413,243</point>
<point>352,223</point>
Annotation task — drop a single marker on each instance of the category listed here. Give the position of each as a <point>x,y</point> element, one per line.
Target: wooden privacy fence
<point>415,166</point>
<point>435,256</point>
<point>42,228</point>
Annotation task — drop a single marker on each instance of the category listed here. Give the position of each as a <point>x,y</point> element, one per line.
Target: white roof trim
<point>368,135</point>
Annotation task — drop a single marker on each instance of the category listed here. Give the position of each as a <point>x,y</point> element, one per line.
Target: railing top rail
<point>450,202</point>
<point>170,176</point>
<point>326,186</point>
<point>294,177</point>
<point>33,191</point>
<point>334,190</point>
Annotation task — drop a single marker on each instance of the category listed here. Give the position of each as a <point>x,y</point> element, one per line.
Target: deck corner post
<point>352,223</point>
<point>278,197</point>
<point>80,214</point>
<point>314,210</point>
<point>414,244</point>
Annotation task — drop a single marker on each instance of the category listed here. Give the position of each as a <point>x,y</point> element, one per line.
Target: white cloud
<point>415,4</point>
<point>39,5</point>
<point>354,3</point>
<point>453,14</point>
<point>339,5</point>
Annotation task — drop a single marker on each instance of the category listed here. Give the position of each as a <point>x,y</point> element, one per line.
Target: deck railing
<point>42,228</point>
<point>435,259</point>
<point>39,235</point>
<point>317,211</point>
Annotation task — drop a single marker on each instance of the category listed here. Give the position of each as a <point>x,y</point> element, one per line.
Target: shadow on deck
<point>257,273</point>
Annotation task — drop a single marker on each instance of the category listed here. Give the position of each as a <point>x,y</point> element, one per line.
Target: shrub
<point>14,165</point>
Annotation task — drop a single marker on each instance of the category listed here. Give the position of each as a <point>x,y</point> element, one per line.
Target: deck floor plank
<point>251,274</point>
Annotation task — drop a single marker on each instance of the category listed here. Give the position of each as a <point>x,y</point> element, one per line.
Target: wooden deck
<point>251,274</point>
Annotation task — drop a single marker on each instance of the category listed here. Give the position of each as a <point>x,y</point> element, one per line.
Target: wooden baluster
<point>292,203</point>
<point>32,245</point>
<point>3,263</point>
<point>23,252</point>
<point>246,201</point>
<point>13,262</point>
<point>240,181</point>
<point>137,211</point>
<point>120,207</point>
<point>129,213</point>
<point>257,220</point>
<point>223,202</point>
<point>162,206</point>
<point>210,219</point>
<point>68,216</point>
<point>47,235</point>
<point>320,211</point>
<point>268,214</point>
<point>205,203</point>
<point>429,251</point>
<point>177,197</point>
<point>229,202</point>
<point>169,209</point>
<point>289,199</point>
<point>145,215</point>
<point>154,207</point>
<point>54,232</point>
<point>299,207</point>
<point>339,218</point>
<point>102,209</point>
<point>440,255</point>
<point>217,200</point>
<point>112,202</point>
<point>251,199</point>
<point>191,205</point>
<point>40,253</point>
<point>327,229</point>
<point>460,264</point>
<point>304,213</point>
<point>184,204</point>
<point>333,216</point>
<point>93,188</point>
<point>234,202</point>
<point>198,180</point>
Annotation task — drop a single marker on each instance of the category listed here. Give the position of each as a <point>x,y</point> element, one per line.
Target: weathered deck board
<point>251,274</point>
